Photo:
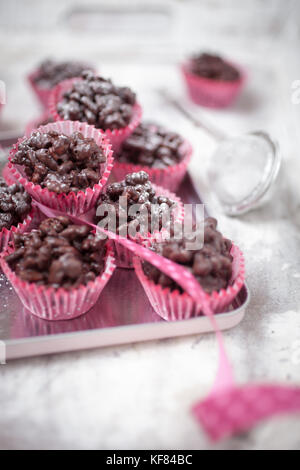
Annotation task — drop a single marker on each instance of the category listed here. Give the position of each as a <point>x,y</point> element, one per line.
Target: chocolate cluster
<point>15,204</point>
<point>97,101</point>
<point>152,146</point>
<point>136,189</point>
<point>59,162</point>
<point>214,67</point>
<point>58,254</point>
<point>211,265</point>
<point>52,72</point>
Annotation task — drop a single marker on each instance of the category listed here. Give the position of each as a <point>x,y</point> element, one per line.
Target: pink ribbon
<point>229,408</point>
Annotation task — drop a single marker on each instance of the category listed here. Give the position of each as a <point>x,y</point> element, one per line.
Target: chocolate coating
<point>60,163</point>
<point>213,67</point>
<point>153,146</point>
<point>211,265</point>
<point>15,204</point>
<point>136,189</point>
<point>51,72</point>
<point>97,101</point>
<point>58,254</point>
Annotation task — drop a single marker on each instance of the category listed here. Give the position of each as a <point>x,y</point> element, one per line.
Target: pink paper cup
<point>36,123</point>
<point>59,304</point>
<point>71,203</point>
<point>211,93</point>
<point>169,177</point>
<point>173,305</point>
<point>116,136</point>
<point>124,257</point>
<point>43,94</point>
<point>6,173</point>
<point>6,236</point>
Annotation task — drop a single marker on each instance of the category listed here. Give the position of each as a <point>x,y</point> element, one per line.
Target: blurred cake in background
<point>51,72</point>
<point>211,80</point>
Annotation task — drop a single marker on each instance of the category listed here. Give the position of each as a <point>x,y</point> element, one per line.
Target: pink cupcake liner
<point>6,236</point>
<point>42,94</point>
<point>173,305</point>
<point>169,177</point>
<point>6,173</point>
<point>211,93</point>
<point>116,136</point>
<point>71,203</point>
<point>124,257</point>
<point>61,304</point>
<point>36,123</point>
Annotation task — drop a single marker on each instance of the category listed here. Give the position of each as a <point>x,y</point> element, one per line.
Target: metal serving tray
<point>122,314</point>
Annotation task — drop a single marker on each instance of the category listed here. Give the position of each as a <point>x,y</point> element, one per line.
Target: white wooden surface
<point>139,396</point>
